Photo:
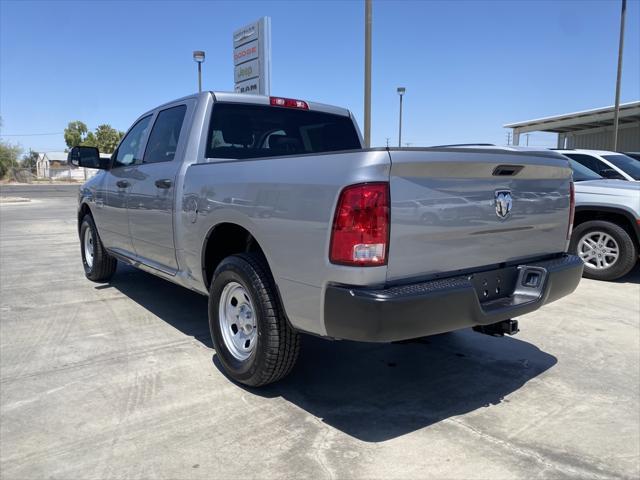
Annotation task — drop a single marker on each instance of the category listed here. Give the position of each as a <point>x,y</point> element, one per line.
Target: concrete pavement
<point>120,380</point>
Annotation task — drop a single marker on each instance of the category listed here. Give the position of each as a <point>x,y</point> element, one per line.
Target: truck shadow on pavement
<point>632,277</point>
<point>376,392</point>
<point>372,392</point>
<point>179,307</point>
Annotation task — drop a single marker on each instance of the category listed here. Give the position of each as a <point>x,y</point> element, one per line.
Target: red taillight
<point>572,209</point>
<point>360,234</point>
<point>288,102</point>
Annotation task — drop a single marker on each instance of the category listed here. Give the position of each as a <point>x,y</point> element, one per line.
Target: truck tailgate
<point>449,209</point>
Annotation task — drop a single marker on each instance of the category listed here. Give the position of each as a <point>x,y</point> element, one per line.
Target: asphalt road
<point>54,190</point>
<point>120,381</point>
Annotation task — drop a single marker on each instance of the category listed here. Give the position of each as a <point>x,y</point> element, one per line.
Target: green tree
<point>29,160</point>
<point>75,134</point>
<point>90,140</point>
<point>107,138</point>
<point>8,157</point>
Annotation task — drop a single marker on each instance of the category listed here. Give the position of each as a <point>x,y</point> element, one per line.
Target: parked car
<point>611,165</point>
<point>606,229</point>
<point>331,258</point>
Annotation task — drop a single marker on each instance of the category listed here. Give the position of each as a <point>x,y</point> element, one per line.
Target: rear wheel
<point>98,265</point>
<point>607,250</point>
<point>252,338</point>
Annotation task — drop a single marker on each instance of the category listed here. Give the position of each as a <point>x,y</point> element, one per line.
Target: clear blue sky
<point>468,66</point>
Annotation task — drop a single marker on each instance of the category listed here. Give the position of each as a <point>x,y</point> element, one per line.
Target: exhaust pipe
<point>500,329</point>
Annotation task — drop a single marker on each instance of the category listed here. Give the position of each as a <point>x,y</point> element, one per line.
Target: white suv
<point>606,164</point>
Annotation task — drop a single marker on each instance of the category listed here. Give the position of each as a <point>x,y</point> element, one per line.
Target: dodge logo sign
<point>504,203</point>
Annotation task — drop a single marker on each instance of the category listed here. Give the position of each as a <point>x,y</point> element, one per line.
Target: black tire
<point>277,345</point>
<point>103,265</point>
<point>627,255</point>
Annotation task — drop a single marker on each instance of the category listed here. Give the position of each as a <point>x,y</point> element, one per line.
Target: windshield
<point>253,131</point>
<point>582,173</point>
<point>628,165</point>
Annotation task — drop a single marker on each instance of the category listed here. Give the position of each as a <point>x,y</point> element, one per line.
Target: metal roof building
<point>592,129</point>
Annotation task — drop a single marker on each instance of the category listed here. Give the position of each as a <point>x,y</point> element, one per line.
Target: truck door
<point>112,212</point>
<point>152,197</point>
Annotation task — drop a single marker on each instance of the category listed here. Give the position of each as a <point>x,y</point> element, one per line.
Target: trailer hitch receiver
<point>500,329</point>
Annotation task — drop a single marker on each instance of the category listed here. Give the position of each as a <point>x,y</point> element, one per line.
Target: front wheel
<point>98,265</point>
<point>607,250</point>
<point>252,338</point>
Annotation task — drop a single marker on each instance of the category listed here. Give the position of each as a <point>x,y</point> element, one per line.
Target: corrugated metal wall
<point>601,139</point>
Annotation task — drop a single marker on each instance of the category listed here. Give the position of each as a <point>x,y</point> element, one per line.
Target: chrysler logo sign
<point>504,202</point>
<point>244,33</point>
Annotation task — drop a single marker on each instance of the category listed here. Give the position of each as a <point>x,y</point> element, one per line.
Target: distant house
<point>54,165</point>
<point>48,161</point>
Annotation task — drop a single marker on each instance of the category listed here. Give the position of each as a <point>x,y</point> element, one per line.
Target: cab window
<point>588,161</point>
<point>130,145</point>
<point>164,136</point>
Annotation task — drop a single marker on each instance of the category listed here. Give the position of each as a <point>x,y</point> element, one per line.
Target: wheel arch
<point>222,240</point>
<point>618,216</point>
<point>82,211</point>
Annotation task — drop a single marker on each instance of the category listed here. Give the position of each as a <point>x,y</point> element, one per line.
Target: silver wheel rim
<point>237,321</point>
<point>88,247</point>
<point>598,250</point>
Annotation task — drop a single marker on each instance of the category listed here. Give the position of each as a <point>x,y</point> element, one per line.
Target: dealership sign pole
<point>616,114</point>
<point>252,58</point>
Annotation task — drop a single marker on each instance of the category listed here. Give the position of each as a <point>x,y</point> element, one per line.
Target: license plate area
<point>494,284</point>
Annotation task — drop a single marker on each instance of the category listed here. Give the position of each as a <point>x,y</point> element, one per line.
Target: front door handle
<point>164,183</point>
<point>122,184</point>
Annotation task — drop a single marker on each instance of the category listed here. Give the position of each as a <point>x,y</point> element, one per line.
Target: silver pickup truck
<point>272,208</point>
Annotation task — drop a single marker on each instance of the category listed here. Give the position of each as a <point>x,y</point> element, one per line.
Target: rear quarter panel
<point>287,204</point>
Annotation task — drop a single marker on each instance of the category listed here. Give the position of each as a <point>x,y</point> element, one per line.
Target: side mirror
<point>611,173</point>
<point>88,157</point>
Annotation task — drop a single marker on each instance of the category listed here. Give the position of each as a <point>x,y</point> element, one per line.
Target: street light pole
<point>401,91</point>
<point>367,73</point>
<point>616,115</point>
<point>198,57</point>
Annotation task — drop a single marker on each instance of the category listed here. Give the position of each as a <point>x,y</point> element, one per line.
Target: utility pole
<point>388,142</point>
<point>508,138</point>
<point>616,115</point>
<point>367,73</point>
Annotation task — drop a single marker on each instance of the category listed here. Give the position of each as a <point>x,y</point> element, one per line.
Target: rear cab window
<point>239,131</point>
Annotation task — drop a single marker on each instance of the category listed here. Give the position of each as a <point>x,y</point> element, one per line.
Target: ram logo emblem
<point>504,203</point>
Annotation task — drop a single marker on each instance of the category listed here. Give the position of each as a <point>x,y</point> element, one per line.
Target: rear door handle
<point>164,183</point>
<point>122,184</point>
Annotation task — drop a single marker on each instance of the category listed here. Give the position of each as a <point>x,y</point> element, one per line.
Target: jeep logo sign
<point>246,71</point>
<point>252,58</point>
